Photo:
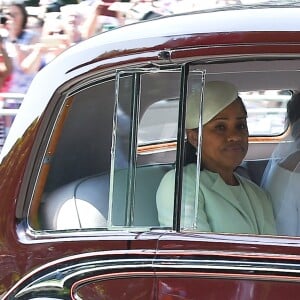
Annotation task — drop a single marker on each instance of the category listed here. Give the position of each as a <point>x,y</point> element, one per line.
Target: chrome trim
<point>59,276</point>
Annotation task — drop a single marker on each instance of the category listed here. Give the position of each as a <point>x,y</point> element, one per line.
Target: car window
<point>266,111</point>
<point>266,116</point>
<point>108,149</point>
<point>188,197</point>
<point>71,191</point>
<point>92,175</point>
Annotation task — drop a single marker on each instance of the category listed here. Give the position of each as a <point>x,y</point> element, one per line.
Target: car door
<point>191,264</point>
<point>87,224</point>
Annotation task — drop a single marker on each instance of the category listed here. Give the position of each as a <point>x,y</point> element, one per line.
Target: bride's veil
<point>282,180</point>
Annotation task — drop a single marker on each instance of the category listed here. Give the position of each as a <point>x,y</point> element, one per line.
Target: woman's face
<point>224,139</point>
<point>15,19</point>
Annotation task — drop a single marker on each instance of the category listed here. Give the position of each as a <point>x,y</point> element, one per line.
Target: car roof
<point>162,33</point>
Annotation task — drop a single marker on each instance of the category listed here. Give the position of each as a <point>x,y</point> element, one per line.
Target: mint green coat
<point>220,207</point>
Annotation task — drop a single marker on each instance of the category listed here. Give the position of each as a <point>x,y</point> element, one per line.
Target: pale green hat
<point>217,95</point>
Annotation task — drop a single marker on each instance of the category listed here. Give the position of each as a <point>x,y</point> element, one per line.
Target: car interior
<point>102,175</point>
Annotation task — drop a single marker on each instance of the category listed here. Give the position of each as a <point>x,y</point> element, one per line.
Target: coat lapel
<point>219,187</point>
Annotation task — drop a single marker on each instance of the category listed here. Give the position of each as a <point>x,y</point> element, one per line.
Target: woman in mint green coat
<point>227,202</point>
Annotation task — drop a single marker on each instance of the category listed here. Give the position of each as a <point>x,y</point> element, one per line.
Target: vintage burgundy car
<point>98,129</point>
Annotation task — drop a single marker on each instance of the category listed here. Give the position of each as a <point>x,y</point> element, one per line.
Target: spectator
<point>5,71</point>
<point>5,65</point>
<point>19,44</point>
<point>71,22</point>
<point>50,5</point>
<point>78,22</point>
<point>54,39</point>
<point>101,17</point>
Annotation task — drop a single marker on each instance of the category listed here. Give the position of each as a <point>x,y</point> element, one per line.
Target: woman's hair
<point>293,108</point>
<point>23,10</point>
<point>190,154</point>
<point>243,104</point>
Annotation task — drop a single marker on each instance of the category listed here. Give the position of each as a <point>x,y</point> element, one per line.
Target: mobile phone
<point>53,41</point>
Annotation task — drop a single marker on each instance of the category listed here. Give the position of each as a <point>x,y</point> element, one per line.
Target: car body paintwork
<point>155,264</point>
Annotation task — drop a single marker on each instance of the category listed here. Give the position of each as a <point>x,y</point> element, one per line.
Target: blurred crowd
<point>30,37</point>
<point>30,40</point>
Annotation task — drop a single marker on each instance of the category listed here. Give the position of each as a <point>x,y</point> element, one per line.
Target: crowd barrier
<point>9,105</point>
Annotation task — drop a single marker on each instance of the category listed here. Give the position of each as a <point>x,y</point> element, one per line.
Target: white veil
<point>282,180</point>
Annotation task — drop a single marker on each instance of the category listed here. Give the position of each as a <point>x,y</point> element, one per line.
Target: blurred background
<point>33,32</point>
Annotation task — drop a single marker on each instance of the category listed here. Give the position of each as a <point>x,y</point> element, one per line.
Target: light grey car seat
<point>84,203</point>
